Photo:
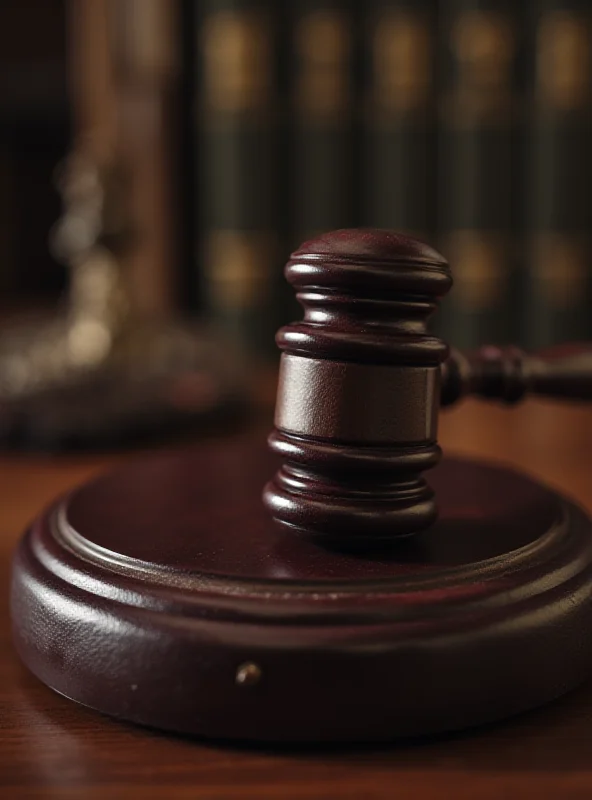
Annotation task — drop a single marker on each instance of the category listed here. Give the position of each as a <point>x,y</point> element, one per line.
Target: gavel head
<point>358,394</point>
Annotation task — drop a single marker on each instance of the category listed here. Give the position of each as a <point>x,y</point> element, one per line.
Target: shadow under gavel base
<point>164,594</point>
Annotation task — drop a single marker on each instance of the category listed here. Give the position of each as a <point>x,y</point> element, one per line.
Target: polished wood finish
<point>52,748</point>
<point>359,387</point>
<point>507,374</point>
<point>361,383</point>
<point>146,596</point>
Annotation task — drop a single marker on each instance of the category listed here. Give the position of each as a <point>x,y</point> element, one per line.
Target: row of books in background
<point>464,122</point>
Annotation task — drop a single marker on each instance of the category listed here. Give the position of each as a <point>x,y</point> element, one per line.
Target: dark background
<point>490,201</point>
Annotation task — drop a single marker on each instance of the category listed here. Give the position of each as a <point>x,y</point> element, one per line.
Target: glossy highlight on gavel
<point>362,380</point>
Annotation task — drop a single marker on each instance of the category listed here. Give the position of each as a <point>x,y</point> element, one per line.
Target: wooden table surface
<point>51,748</point>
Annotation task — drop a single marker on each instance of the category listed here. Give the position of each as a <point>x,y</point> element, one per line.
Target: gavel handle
<point>509,374</point>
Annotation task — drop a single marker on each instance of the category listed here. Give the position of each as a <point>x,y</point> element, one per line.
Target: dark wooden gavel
<point>362,380</point>
<point>509,374</point>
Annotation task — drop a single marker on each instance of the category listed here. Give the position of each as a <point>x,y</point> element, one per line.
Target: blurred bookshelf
<point>248,125</point>
<point>462,122</point>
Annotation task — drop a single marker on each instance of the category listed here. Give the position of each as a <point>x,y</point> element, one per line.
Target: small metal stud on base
<point>248,674</point>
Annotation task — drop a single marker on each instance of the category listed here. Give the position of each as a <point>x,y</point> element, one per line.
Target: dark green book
<point>480,144</point>
<point>321,142</point>
<point>559,175</point>
<point>236,165</point>
<point>400,146</point>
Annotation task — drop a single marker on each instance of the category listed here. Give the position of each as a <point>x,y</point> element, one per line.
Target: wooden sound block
<point>164,594</point>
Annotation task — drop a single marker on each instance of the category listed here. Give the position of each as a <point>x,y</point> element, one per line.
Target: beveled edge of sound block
<point>305,661</point>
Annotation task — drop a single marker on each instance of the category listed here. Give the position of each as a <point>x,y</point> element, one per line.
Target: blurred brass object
<point>99,373</point>
<point>86,239</point>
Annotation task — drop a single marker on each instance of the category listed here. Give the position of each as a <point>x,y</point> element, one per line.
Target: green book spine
<point>559,175</point>
<point>479,168</point>
<point>321,124</point>
<point>400,144</point>
<point>237,133</point>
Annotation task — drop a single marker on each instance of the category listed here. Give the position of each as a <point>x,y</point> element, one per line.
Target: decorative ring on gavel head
<point>359,387</point>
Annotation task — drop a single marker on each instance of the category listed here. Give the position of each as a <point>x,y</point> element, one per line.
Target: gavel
<point>326,621</point>
<point>361,383</point>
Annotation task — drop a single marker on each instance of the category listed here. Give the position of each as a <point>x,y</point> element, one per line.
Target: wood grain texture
<point>51,748</point>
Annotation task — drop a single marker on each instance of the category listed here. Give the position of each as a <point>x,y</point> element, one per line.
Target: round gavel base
<point>163,594</point>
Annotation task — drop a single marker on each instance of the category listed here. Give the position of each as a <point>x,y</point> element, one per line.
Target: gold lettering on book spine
<point>484,47</point>
<point>237,62</point>
<point>402,63</point>
<point>563,61</point>
<point>559,265</point>
<point>238,265</point>
<point>323,77</point>
<point>478,262</point>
